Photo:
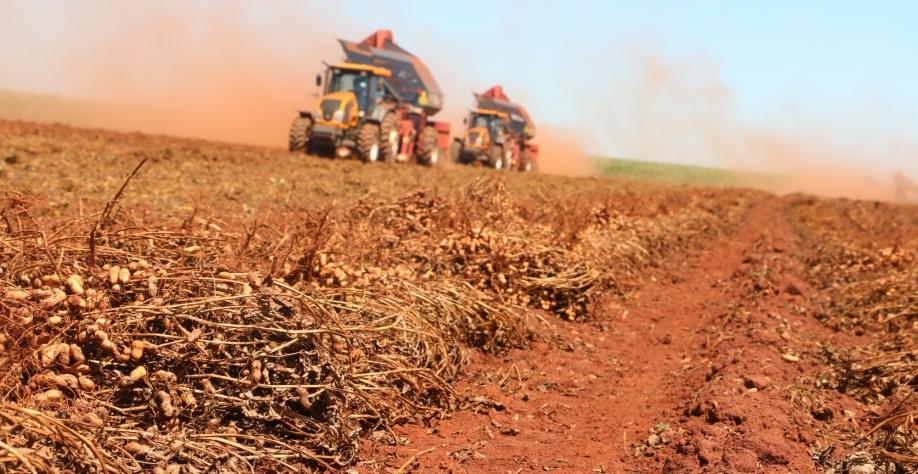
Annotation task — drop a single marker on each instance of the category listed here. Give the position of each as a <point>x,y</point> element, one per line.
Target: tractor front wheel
<point>455,151</point>
<point>526,162</point>
<point>428,150</point>
<point>388,131</point>
<point>495,157</point>
<point>509,163</point>
<point>299,134</point>
<point>368,143</point>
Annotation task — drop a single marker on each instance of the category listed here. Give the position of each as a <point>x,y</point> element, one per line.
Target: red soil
<point>716,346</point>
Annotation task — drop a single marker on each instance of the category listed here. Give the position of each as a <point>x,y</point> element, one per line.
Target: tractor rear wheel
<point>368,143</point>
<point>455,151</point>
<point>526,163</point>
<point>428,149</point>
<point>495,157</point>
<point>299,133</point>
<point>388,134</point>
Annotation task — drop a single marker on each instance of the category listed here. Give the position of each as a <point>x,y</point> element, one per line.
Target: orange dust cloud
<point>682,111</point>
<point>561,152</point>
<point>212,71</point>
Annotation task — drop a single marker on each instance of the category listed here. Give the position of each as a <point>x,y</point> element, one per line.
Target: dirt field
<point>243,309</point>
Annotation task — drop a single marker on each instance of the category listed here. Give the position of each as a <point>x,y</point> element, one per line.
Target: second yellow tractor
<point>498,134</point>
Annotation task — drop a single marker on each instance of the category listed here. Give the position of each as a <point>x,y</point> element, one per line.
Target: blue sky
<point>843,73</point>
<point>845,70</point>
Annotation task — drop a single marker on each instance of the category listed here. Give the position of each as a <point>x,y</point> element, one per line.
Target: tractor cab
<point>352,92</point>
<point>486,127</point>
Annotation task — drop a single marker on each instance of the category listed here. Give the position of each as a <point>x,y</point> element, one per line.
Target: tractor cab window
<point>492,123</point>
<point>352,81</point>
<point>377,89</point>
<point>347,81</point>
<point>481,121</point>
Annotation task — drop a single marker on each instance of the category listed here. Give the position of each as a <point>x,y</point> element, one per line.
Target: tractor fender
<point>379,113</point>
<point>305,114</point>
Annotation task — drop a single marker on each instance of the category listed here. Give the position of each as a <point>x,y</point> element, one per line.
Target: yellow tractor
<point>485,139</point>
<point>497,135</point>
<point>377,105</point>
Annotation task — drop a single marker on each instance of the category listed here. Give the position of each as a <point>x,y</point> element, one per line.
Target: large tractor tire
<point>495,157</point>
<point>388,136</point>
<point>368,146</point>
<point>508,157</point>
<point>455,151</point>
<point>428,150</point>
<point>299,134</point>
<point>527,164</point>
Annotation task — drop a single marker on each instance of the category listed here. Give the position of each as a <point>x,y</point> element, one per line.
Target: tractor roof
<point>481,111</point>
<point>379,71</point>
<point>495,99</point>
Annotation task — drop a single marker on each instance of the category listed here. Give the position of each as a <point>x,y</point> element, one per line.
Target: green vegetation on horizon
<point>682,174</point>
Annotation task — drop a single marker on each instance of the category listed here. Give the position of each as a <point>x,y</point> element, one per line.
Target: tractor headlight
<point>338,116</point>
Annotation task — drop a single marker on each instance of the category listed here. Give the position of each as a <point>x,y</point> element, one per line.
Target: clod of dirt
<point>741,460</point>
<point>821,413</point>
<point>707,452</point>
<point>758,382</point>
<point>708,409</point>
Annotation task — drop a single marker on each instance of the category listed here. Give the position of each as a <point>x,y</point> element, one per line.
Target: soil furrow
<point>690,373</point>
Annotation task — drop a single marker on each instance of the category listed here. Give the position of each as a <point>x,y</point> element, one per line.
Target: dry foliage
<point>195,345</point>
<point>863,256</point>
<point>244,309</point>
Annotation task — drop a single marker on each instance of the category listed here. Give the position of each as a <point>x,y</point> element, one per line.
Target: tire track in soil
<point>699,347</point>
